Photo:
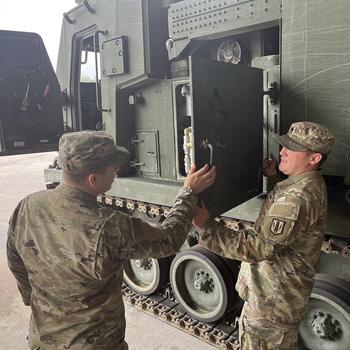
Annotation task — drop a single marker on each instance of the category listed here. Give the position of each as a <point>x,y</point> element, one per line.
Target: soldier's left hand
<point>201,217</point>
<point>201,179</point>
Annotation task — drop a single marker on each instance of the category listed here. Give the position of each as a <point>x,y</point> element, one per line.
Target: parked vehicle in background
<point>30,96</point>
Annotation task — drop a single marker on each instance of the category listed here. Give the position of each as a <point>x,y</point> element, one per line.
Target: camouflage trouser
<point>261,335</point>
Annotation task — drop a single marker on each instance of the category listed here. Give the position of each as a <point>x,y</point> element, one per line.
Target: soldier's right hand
<point>201,179</point>
<point>270,166</point>
<point>201,217</point>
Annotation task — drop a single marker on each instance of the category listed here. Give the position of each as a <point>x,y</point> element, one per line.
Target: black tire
<point>203,284</point>
<point>326,324</point>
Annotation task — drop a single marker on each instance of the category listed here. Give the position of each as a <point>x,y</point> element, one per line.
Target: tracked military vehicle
<point>212,81</point>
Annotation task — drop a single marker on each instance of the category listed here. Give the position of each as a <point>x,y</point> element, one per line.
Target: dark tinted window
<point>19,52</point>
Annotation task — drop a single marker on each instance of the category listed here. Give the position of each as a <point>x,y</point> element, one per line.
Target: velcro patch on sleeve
<point>288,210</point>
<point>279,222</point>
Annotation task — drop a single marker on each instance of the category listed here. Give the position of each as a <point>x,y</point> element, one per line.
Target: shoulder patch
<point>279,221</point>
<point>277,226</point>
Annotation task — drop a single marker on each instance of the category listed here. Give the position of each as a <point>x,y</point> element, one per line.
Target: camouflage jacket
<point>67,252</point>
<point>280,251</point>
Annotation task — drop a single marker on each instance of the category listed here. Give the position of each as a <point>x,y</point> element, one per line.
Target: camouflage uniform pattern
<point>81,152</point>
<point>259,334</point>
<point>67,252</point>
<point>307,136</point>
<point>279,254</point>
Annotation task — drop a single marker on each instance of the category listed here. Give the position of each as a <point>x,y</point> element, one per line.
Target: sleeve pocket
<point>279,222</point>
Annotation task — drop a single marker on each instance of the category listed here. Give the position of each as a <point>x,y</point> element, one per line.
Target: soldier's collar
<point>76,193</point>
<point>295,178</point>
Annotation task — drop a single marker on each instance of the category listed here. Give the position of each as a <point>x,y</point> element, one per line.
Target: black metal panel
<point>227,116</point>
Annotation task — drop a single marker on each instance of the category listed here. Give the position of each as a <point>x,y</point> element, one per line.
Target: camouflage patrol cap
<point>307,136</point>
<point>84,151</point>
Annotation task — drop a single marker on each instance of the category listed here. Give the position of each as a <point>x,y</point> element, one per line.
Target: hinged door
<point>148,155</point>
<point>228,130</point>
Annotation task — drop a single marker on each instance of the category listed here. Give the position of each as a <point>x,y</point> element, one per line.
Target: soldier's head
<point>305,147</point>
<point>90,160</point>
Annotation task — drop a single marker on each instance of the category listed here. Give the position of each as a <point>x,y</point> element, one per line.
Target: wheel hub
<point>145,264</point>
<point>325,326</point>
<point>203,282</point>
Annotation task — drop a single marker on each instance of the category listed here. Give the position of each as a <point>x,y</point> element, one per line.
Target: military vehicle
<point>30,99</point>
<point>213,81</point>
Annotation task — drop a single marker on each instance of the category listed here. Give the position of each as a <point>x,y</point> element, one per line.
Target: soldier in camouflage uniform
<point>280,251</point>
<point>67,252</point>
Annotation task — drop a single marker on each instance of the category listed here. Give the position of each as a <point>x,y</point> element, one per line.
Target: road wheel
<point>147,275</point>
<point>202,283</point>
<point>326,325</point>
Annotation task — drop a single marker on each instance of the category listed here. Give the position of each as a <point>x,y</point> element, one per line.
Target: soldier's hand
<point>201,179</point>
<point>269,166</point>
<point>201,216</point>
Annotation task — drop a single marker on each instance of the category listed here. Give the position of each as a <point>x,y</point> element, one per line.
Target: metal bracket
<point>137,164</point>
<point>65,97</point>
<point>97,88</point>
<point>84,3</point>
<point>135,141</point>
<point>273,93</point>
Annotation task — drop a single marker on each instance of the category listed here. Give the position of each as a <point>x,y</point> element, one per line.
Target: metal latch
<point>136,141</point>
<point>135,164</point>
<point>273,92</point>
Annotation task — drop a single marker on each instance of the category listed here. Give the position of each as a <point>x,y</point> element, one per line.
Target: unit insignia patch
<point>277,226</point>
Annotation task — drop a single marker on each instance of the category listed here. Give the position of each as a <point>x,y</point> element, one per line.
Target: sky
<point>43,17</point>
